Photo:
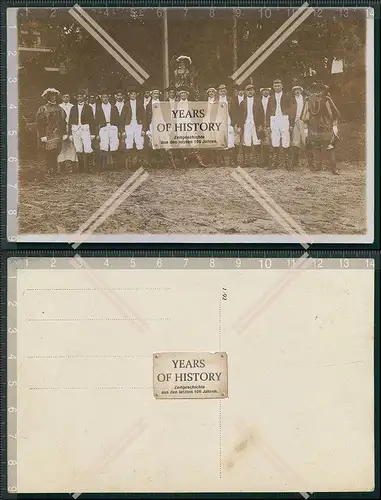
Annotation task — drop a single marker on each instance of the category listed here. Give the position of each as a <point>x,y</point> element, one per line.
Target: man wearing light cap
<point>279,105</point>
<point>223,98</point>
<point>131,125</point>
<point>264,130</point>
<point>297,124</point>
<point>249,124</point>
<point>211,111</point>
<point>81,128</point>
<point>154,156</point>
<point>107,119</point>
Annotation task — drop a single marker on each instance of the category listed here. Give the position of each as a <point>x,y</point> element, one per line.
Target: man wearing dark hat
<point>297,125</point>
<point>82,129</point>
<point>279,105</point>
<point>321,115</point>
<point>249,123</point>
<point>131,125</point>
<point>264,130</point>
<point>107,120</point>
<point>51,128</point>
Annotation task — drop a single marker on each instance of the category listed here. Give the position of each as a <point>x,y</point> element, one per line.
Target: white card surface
<point>299,411</point>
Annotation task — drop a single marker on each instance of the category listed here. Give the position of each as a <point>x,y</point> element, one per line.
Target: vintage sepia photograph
<point>191,125</point>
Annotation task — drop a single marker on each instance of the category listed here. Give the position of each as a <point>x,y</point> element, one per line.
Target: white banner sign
<point>189,125</point>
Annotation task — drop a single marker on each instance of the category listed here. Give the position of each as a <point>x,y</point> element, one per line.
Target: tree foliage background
<point>207,39</point>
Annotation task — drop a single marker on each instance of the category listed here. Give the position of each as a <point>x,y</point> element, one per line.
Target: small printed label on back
<point>190,375</point>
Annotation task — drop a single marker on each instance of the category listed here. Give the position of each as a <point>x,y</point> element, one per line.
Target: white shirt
<point>93,107</point>
<point>265,101</point>
<point>66,106</point>
<point>225,99</point>
<point>240,98</point>
<point>250,116</point>
<point>80,108</point>
<point>211,100</point>
<point>119,105</point>
<point>146,101</point>
<point>133,109</point>
<point>278,97</point>
<point>299,106</point>
<point>107,111</point>
<point>155,101</point>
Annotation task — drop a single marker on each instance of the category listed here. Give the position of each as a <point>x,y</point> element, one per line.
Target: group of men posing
<point>265,130</point>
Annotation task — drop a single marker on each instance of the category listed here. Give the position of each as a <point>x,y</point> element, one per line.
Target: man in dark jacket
<point>279,105</point>
<point>107,123</point>
<point>131,125</point>
<point>264,130</point>
<point>82,129</point>
<point>249,124</point>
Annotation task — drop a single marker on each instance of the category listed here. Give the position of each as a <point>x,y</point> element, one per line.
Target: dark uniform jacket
<point>87,117</point>
<point>243,110</point>
<point>264,116</point>
<point>293,108</point>
<point>100,118</point>
<point>126,114</point>
<point>285,104</point>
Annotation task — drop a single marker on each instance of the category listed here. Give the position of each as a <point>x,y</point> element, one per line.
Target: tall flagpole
<point>235,42</point>
<point>165,50</point>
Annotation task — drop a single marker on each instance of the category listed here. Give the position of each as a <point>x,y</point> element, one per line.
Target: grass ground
<point>200,200</point>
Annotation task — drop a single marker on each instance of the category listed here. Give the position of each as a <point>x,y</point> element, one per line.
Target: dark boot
<point>287,159</point>
<point>103,161</point>
<point>257,156</point>
<point>311,158</point>
<point>265,156</point>
<point>295,157</point>
<point>318,158</point>
<point>246,156</point>
<point>332,162</point>
<point>275,158</point>
<point>128,159</point>
<point>81,165</point>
